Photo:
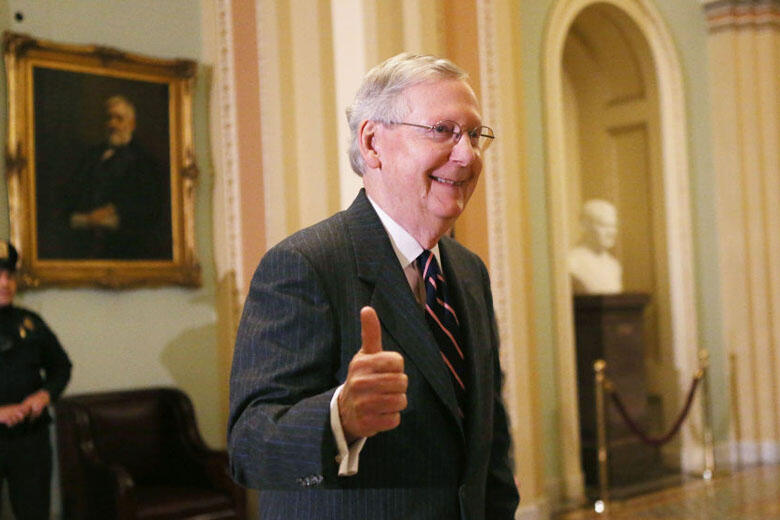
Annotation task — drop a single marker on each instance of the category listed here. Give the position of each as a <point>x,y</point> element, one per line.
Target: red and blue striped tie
<point>444,323</point>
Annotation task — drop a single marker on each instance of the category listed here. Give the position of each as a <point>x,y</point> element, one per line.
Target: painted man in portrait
<point>116,210</point>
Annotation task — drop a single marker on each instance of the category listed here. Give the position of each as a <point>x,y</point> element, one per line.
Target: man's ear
<point>367,140</point>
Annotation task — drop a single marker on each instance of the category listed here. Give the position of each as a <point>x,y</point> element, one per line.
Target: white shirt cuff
<point>348,456</point>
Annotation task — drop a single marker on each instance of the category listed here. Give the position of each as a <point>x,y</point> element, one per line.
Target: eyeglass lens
<point>445,130</point>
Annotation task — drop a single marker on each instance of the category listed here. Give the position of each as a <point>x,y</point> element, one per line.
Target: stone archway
<point>637,24</point>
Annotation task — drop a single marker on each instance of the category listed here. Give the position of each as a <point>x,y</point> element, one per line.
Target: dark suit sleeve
<point>501,497</point>
<point>54,361</point>
<point>282,378</point>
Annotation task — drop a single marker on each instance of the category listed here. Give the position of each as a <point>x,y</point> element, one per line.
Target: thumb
<point>370,331</point>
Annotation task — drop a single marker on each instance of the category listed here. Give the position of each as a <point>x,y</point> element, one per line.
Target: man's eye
<point>443,128</point>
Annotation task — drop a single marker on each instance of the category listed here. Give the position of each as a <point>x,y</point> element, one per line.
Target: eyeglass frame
<point>455,135</point>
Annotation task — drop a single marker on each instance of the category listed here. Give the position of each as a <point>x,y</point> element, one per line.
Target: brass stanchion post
<point>709,450</point>
<point>735,408</point>
<point>601,426</point>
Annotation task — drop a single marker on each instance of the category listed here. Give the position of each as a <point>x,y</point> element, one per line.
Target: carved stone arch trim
<point>501,87</point>
<point>227,203</point>
<point>226,218</point>
<point>675,178</point>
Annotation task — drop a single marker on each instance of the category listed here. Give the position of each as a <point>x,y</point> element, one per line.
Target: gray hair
<point>379,97</point>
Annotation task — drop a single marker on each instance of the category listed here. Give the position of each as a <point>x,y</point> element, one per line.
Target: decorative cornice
<point>723,14</point>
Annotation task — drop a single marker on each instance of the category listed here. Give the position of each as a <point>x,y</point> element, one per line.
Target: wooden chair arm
<point>112,488</point>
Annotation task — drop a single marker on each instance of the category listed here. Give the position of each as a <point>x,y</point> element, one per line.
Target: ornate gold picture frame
<point>100,165</point>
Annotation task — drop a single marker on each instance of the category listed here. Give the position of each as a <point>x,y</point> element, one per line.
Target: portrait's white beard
<point>119,138</point>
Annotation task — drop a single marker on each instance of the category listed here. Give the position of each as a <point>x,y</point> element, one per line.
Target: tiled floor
<point>748,494</point>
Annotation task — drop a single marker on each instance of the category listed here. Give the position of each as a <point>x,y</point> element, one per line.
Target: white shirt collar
<point>406,248</point>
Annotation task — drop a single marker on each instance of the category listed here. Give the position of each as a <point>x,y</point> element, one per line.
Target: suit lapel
<point>398,311</point>
<point>464,288</point>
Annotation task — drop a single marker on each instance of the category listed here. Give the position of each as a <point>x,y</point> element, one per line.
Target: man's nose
<point>464,152</point>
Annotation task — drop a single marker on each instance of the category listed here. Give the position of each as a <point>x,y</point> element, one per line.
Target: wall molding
<point>224,129</point>
<point>534,511</point>
<point>729,14</point>
<point>508,240</point>
<point>746,453</point>
<point>226,215</point>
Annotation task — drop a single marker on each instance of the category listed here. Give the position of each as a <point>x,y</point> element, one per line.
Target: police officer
<point>34,370</point>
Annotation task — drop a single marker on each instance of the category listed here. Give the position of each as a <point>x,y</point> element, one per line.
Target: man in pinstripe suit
<point>342,406</point>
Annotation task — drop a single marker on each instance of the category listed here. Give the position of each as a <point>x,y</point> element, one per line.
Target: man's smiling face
<point>424,184</point>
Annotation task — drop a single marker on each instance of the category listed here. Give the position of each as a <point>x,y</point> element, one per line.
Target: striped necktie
<point>444,323</point>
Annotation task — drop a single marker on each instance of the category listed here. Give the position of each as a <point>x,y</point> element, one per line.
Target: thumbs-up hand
<point>375,390</point>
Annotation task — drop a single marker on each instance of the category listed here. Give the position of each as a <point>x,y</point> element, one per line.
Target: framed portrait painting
<point>100,165</point>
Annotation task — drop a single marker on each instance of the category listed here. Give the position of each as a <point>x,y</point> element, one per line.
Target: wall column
<point>238,184</point>
<point>299,133</point>
<point>509,239</point>
<point>744,48</point>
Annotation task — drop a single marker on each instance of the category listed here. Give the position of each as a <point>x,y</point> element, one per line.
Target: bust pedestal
<point>610,327</point>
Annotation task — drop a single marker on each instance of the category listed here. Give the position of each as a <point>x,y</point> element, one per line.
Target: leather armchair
<point>137,454</point>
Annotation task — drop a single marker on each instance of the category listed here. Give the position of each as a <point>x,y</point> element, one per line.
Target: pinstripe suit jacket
<point>298,333</point>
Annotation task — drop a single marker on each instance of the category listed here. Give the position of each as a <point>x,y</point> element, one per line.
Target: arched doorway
<point>615,130</point>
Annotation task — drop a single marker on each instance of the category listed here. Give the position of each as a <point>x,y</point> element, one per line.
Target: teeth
<point>447,181</point>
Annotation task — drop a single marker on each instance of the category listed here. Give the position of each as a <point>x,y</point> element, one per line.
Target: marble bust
<point>593,269</point>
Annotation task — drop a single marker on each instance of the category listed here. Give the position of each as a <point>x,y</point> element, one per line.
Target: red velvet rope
<point>654,441</point>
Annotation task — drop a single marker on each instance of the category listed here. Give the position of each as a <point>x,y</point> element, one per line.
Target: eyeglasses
<point>449,132</point>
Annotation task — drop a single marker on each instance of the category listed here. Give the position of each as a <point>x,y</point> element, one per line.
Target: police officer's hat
<point>8,256</point>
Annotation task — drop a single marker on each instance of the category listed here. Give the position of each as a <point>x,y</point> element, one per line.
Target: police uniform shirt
<point>31,359</point>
